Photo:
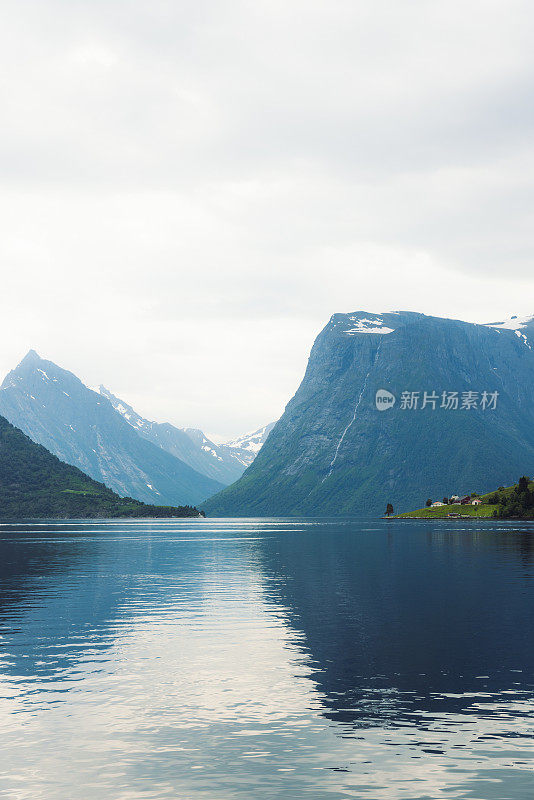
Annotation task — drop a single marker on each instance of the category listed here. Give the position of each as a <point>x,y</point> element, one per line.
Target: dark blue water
<point>224,660</point>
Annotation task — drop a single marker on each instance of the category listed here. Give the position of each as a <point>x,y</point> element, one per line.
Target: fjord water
<point>273,658</point>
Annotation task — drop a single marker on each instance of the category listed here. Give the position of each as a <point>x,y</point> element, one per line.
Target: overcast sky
<point>190,189</point>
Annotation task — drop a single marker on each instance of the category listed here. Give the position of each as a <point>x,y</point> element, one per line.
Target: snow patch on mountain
<point>512,324</point>
<point>356,323</point>
<point>366,325</point>
<point>518,326</point>
<point>251,442</point>
<point>210,450</point>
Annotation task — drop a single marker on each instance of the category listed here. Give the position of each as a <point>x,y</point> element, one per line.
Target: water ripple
<point>301,659</point>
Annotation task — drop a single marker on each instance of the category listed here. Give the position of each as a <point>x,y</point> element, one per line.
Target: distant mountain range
<point>361,432</point>
<point>156,463</point>
<point>55,409</point>
<point>249,445</point>
<point>393,408</point>
<point>34,483</point>
<point>224,463</point>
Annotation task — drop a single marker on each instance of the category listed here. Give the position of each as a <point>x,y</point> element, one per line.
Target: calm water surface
<point>301,659</point>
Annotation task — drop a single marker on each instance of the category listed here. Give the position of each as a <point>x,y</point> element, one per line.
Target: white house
<point>437,504</point>
<point>476,502</point>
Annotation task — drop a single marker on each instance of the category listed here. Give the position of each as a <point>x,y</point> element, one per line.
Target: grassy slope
<point>442,512</point>
<point>483,511</point>
<point>34,483</point>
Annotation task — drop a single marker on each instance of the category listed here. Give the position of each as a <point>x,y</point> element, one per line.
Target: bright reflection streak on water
<point>266,659</point>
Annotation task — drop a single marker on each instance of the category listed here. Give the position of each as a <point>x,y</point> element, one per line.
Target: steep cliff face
<point>334,452</point>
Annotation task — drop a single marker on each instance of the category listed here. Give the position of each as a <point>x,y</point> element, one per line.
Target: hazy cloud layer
<point>190,189</point>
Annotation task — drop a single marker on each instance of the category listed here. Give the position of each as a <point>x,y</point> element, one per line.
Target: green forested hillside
<point>34,483</point>
<point>516,501</point>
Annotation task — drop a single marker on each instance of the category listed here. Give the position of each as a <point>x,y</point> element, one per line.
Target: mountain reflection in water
<point>266,658</point>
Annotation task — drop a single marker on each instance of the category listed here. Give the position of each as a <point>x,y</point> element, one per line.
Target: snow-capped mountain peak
<point>251,442</point>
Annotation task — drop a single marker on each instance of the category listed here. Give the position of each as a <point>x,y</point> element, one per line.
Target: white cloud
<point>190,190</point>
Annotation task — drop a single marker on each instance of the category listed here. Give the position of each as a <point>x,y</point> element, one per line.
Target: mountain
<point>248,446</point>
<point>36,484</point>
<point>340,448</point>
<point>224,463</point>
<point>54,408</point>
